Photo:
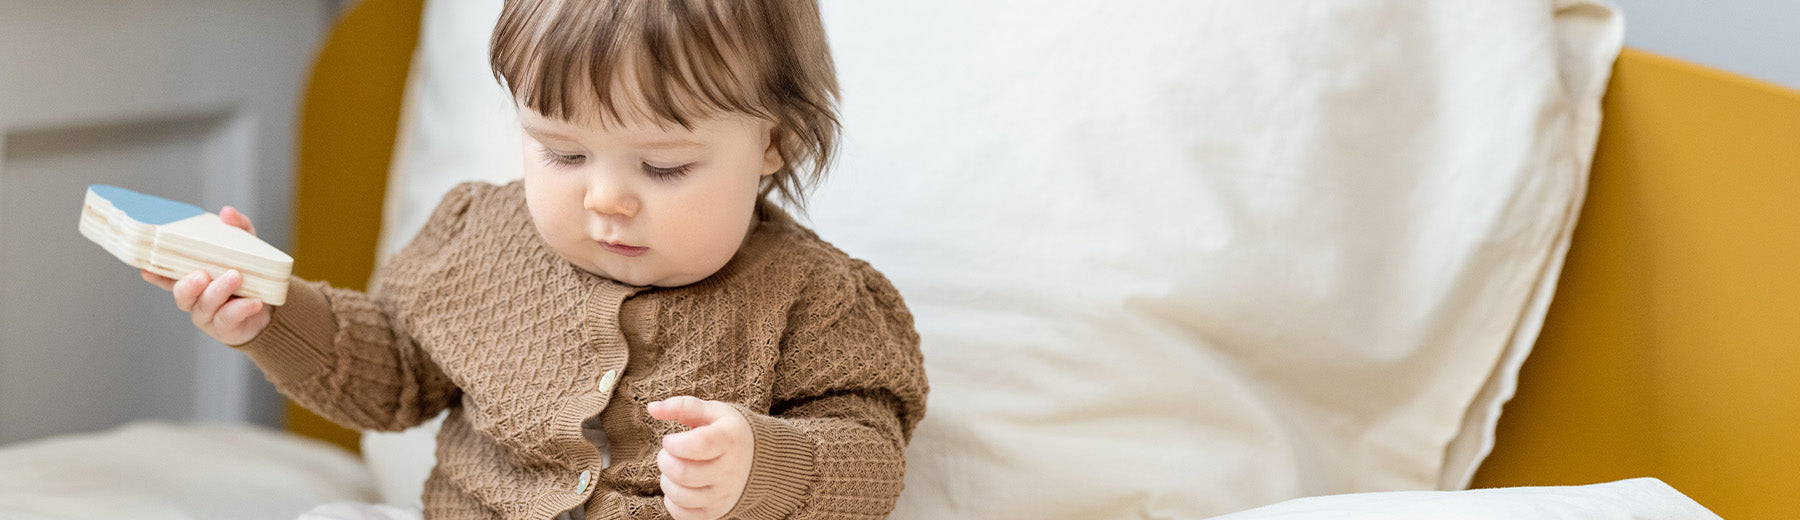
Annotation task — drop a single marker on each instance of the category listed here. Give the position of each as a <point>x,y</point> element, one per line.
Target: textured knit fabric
<point>478,316</point>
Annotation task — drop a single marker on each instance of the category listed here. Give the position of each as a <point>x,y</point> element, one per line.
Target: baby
<point>635,329</point>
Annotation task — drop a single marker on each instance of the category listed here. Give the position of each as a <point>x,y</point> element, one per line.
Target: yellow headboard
<point>347,127</point>
<point>1671,349</point>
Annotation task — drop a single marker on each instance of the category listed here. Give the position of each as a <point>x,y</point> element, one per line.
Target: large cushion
<point>1175,258</point>
<point>1183,258</point>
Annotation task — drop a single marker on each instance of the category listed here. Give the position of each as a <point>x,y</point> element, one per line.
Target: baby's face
<point>641,203</point>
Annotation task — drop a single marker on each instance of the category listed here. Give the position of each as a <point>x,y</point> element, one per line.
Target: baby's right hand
<point>233,320</point>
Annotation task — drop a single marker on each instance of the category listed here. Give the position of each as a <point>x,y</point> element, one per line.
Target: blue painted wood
<point>149,209</point>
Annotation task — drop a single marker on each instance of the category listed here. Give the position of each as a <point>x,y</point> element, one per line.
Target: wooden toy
<point>175,239</point>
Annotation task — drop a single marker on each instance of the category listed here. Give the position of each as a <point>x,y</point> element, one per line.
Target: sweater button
<point>582,486</point>
<point>607,380</point>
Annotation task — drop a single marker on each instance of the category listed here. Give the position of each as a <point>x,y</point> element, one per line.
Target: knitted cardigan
<point>535,358</point>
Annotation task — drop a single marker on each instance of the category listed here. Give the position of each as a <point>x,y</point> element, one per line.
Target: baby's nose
<point>609,198</point>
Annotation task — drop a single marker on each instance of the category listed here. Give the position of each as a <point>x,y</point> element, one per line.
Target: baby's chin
<point>644,276</point>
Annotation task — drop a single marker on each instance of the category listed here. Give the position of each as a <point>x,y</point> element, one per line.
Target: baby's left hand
<point>704,469</point>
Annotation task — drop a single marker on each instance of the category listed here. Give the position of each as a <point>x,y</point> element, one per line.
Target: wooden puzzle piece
<point>175,239</point>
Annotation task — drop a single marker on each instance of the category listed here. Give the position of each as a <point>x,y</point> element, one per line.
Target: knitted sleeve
<point>849,389</point>
<point>345,355</point>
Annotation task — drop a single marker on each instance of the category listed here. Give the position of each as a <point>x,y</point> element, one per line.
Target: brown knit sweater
<point>531,355</point>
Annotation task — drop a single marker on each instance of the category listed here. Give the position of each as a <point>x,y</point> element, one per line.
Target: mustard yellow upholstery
<point>347,127</point>
<point>1670,349</point>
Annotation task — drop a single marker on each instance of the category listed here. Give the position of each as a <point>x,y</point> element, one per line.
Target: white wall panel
<point>1756,38</point>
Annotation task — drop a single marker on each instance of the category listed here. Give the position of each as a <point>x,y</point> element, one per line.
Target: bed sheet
<point>1633,499</point>
<point>164,471</point>
<point>168,471</point>
<point>193,472</point>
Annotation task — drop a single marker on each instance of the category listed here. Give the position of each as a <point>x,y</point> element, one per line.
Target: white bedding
<point>1634,499</point>
<point>158,471</point>
<point>163,471</point>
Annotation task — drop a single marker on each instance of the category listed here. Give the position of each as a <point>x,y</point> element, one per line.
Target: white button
<point>607,380</point>
<point>582,487</point>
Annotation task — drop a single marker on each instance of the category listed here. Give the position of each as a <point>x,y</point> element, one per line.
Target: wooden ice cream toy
<point>174,239</point>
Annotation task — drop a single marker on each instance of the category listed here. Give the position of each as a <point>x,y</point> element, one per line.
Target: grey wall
<point>189,99</point>
<point>1756,38</point>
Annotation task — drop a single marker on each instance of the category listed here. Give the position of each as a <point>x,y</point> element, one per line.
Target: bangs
<point>679,61</point>
<point>669,62</point>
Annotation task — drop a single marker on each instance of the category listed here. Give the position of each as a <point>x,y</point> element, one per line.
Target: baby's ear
<point>772,161</point>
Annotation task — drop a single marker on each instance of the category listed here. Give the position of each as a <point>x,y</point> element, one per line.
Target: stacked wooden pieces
<point>175,239</point>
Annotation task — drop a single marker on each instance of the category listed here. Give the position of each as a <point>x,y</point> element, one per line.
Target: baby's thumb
<point>234,218</point>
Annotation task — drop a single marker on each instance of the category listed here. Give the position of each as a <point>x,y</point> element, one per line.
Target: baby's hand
<point>233,320</point>
<point>704,469</point>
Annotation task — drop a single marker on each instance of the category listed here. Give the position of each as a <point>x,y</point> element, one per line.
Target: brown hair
<point>688,59</point>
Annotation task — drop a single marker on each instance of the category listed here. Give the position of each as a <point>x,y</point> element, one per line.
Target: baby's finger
<point>694,474</point>
<point>683,513</point>
<point>217,293</point>
<point>691,411</point>
<point>698,445</point>
<point>187,290</point>
<point>166,283</point>
<point>237,219</point>
<point>691,502</point>
<point>237,311</point>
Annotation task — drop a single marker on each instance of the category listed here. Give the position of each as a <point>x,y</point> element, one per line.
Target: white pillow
<point>456,123</point>
<point>1172,258</point>
<point>401,461</point>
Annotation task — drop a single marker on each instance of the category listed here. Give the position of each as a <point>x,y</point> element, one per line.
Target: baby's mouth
<point>624,250</point>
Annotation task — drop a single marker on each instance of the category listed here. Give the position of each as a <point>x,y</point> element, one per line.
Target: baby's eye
<point>660,173</point>
<point>557,159</point>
